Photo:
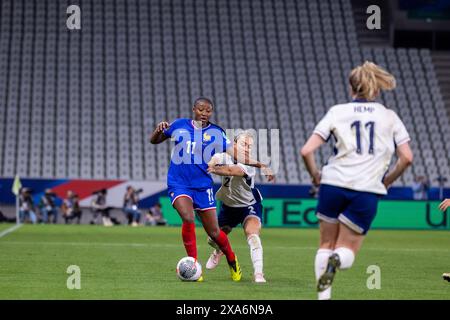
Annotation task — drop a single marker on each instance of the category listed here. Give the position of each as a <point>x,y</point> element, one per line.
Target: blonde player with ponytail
<point>366,134</point>
<point>241,202</point>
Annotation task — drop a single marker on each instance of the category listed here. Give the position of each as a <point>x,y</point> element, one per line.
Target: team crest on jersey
<point>172,194</point>
<point>206,137</point>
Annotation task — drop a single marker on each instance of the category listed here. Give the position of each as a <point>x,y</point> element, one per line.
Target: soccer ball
<point>188,269</point>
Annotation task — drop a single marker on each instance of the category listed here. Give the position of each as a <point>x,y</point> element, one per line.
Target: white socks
<point>320,264</point>
<point>346,256</point>
<point>256,252</point>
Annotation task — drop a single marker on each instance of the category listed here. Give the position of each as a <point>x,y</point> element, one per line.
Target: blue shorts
<point>355,209</point>
<point>232,216</point>
<point>202,198</point>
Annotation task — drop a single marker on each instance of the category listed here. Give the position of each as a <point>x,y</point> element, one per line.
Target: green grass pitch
<point>139,263</point>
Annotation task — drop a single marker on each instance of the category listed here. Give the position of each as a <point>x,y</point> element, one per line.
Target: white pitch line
<point>9,230</point>
<point>153,245</point>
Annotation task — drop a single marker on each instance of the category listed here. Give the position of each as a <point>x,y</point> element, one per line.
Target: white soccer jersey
<point>236,191</point>
<point>366,134</point>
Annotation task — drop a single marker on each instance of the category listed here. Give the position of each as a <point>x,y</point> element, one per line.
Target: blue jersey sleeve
<point>176,124</point>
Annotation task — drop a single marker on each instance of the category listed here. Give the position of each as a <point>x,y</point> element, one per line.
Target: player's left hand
<point>386,183</point>
<point>316,178</point>
<point>444,205</point>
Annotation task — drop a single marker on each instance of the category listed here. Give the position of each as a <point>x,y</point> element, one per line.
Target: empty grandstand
<point>82,103</point>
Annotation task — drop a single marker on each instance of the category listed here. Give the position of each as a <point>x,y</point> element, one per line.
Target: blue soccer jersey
<point>193,149</point>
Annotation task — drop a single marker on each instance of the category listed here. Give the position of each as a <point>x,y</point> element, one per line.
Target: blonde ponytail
<point>368,79</point>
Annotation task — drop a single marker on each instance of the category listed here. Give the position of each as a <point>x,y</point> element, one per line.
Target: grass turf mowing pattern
<point>5,226</point>
<point>139,263</point>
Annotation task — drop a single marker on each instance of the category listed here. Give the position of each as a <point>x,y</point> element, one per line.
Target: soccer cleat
<point>326,279</point>
<point>259,278</point>
<point>446,276</point>
<point>235,270</point>
<point>199,279</point>
<point>214,259</point>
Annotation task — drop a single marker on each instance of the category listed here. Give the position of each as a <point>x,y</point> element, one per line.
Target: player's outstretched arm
<point>244,158</point>
<point>227,170</point>
<point>158,135</point>
<point>405,159</point>
<point>444,205</point>
<point>307,152</point>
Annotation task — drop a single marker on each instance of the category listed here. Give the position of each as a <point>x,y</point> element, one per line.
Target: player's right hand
<point>268,173</point>
<point>161,126</point>
<point>444,205</point>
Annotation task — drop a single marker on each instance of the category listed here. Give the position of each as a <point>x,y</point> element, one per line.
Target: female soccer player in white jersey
<point>366,134</point>
<point>241,202</point>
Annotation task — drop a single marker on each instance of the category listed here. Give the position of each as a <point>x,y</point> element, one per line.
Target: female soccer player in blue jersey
<point>366,135</point>
<point>190,186</point>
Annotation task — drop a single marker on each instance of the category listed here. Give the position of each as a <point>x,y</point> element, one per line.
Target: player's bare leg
<point>209,221</point>
<point>252,229</point>
<point>348,238</point>
<point>328,236</point>
<point>347,245</point>
<point>185,209</point>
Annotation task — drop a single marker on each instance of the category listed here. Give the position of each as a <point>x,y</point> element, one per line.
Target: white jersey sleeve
<point>401,135</point>
<point>219,159</point>
<point>325,126</point>
<point>248,170</point>
<point>225,159</point>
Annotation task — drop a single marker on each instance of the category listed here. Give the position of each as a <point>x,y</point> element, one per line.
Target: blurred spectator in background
<point>130,206</point>
<point>48,207</point>
<point>420,188</point>
<point>26,206</point>
<point>6,219</point>
<point>155,216</point>
<point>99,207</point>
<point>441,180</point>
<point>71,207</point>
